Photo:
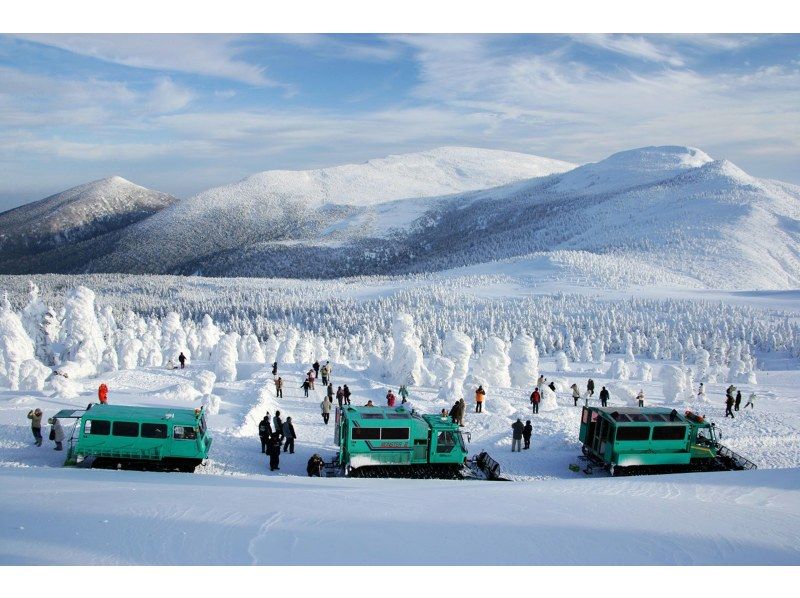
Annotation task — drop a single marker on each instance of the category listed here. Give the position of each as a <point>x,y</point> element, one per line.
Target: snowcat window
<point>97,427</point>
<point>394,433</point>
<point>130,429</point>
<point>669,432</point>
<point>656,417</point>
<point>154,430</point>
<point>397,416</point>
<point>445,442</point>
<point>372,416</point>
<point>619,417</point>
<point>366,433</point>
<point>184,433</point>
<point>633,433</point>
<point>638,417</point>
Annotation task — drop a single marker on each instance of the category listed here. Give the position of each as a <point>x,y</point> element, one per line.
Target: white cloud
<point>200,54</point>
<point>631,45</point>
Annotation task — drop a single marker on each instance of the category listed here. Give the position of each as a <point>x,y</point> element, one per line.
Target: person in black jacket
<point>264,431</point>
<point>182,359</point>
<point>738,400</point>
<point>604,397</point>
<point>590,387</point>
<point>315,465</point>
<point>516,439</point>
<point>277,424</point>
<point>274,368</point>
<point>454,412</point>
<point>289,434</point>
<point>728,405</point>
<point>340,396</point>
<point>274,451</point>
<point>306,385</point>
<point>526,434</point>
<point>316,369</point>
<point>347,393</point>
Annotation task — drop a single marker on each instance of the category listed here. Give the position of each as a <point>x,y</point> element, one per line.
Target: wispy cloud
<point>631,45</point>
<point>199,54</point>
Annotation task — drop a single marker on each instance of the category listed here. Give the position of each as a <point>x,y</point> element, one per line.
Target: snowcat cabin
<point>393,441</point>
<point>145,437</point>
<point>654,437</point>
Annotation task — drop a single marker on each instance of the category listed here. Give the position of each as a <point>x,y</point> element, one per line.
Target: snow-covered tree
<point>646,372</point>
<point>33,374</point>
<point>208,336</point>
<point>225,355</point>
<point>81,334</point>
<point>562,363</point>
<point>287,347</point>
<point>524,361</point>
<point>407,365</point>
<point>15,345</point>
<point>129,352</point>
<point>250,349</point>
<point>493,363</point>
<point>673,382</point>
<point>619,370</point>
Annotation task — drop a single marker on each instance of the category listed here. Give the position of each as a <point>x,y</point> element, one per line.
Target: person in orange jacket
<point>102,393</point>
<point>480,395</point>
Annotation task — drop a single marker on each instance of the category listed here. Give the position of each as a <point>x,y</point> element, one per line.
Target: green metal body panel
<point>375,436</point>
<point>150,434</point>
<point>631,436</point>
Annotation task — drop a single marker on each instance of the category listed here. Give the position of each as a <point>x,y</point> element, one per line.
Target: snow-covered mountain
<point>76,215</point>
<point>690,219</point>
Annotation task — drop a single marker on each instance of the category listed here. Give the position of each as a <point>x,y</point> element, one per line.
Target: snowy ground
<point>235,511</point>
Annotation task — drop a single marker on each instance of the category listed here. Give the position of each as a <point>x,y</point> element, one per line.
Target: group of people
<point>56,429</point>
<point>520,432</point>
<point>275,432</point>
<point>732,402</point>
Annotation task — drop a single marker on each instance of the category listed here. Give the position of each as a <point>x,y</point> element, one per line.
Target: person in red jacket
<point>102,393</point>
<point>390,398</point>
<point>536,397</point>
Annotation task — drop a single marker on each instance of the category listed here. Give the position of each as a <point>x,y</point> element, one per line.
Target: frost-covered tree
<point>225,355</point>
<point>619,370</point>
<point>33,374</point>
<point>129,352</point>
<point>64,388</point>
<point>646,372</point>
<point>524,361</point>
<point>457,347</point>
<point>81,334</point>
<point>562,363</point>
<point>493,363</point>
<point>208,335</point>
<point>109,362</point>
<point>250,349</point>
<point>287,347</point>
<point>15,345</point>
<point>701,363</point>
<point>598,351</point>
<point>33,314</point>
<point>407,365</point>
<point>204,381</point>
<point>673,381</point>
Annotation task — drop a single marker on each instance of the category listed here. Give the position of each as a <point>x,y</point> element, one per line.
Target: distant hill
<point>72,217</point>
<point>673,213</point>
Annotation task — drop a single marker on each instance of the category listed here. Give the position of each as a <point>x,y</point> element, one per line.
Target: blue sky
<point>182,113</point>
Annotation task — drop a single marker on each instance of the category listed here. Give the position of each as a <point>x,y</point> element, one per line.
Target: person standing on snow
<point>390,398</point>
<point>277,425</point>
<point>526,434</point>
<point>462,410</point>
<point>274,368</point>
<point>604,397</point>
<point>306,385</point>
<point>346,391</point>
<point>329,392</point>
<point>738,400</point>
<point>56,433</point>
<point>340,396</point>
<point>751,401</point>
<point>480,396</point>
<point>182,360</point>
<point>274,451</point>
<point>264,431</point>
<point>536,398</point>
<point>102,393</point>
<point>324,373</point>
<point>403,392</point>
<point>310,379</point>
<point>326,406</point>
<point>454,412</point>
<point>36,425</point>
<point>540,381</point>
<point>576,394</point>
<point>289,434</point>
<point>590,387</point>
<point>701,394</point>
<point>516,438</point>
<point>315,367</point>
<point>279,387</point>
<point>728,405</point>
<point>640,397</point>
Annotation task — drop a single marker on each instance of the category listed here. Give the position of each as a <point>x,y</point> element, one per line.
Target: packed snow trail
<point>68,516</point>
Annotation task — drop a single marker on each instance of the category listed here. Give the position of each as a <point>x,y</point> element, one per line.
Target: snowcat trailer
<point>125,437</point>
<point>398,442</point>
<point>645,440</point>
